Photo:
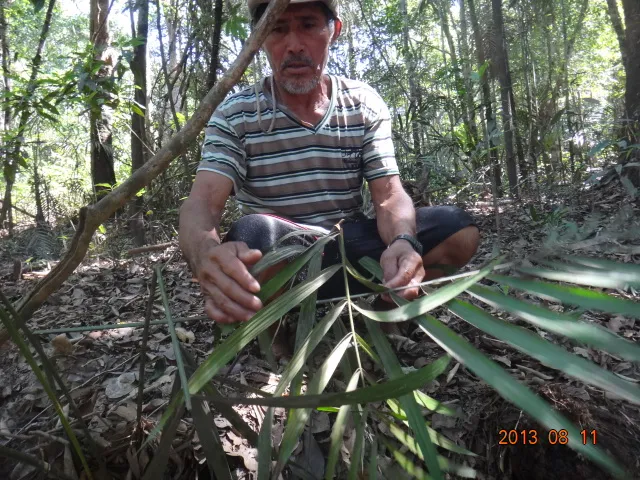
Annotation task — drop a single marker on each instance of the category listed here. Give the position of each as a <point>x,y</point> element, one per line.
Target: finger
<point>403,276</point>
<point>214,312</point>
<point>237,312</point>
<point>233,290</point>
<point>248,256</point>
<point>233,267</point>
<point>389,264</point>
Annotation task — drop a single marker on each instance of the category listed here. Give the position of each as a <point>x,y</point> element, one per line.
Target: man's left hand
<point>402,266</point>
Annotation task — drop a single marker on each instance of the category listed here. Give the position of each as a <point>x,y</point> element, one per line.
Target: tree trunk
<point>139,149</point>
<point>103,174</point>
<point>632,95</point>
<point>215,44</point>
<point>7,163</point>
<point>444,10</point>
<point>13,152</point>
<point>616,23</point>
<point>414,93</point>
<point>502,71</point>
<point>466,73</point>
<point>489,121</point>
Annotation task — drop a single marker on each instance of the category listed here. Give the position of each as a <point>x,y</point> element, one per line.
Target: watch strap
<point>417,246</point>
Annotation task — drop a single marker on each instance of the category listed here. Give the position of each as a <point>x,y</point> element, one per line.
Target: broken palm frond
<point>552,355</point>
<point>408,402</point>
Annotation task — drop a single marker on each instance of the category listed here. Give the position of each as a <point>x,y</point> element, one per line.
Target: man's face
<point>298,47</point>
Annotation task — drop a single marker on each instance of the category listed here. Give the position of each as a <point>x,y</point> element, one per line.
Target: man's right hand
<point>225,280</point>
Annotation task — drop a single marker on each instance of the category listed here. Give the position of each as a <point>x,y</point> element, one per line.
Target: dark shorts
<point>361,239</point>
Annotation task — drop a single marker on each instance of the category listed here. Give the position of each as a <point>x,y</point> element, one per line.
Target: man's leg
<point>449,237</point>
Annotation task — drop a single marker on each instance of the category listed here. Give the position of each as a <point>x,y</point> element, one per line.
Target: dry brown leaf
<point>62,345</point>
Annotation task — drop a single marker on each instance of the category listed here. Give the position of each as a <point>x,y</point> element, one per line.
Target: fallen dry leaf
<point>62,345</point>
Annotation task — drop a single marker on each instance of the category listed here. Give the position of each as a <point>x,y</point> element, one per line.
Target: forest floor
<point>101,367</point>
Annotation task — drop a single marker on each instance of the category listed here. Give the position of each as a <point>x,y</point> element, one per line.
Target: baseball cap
<point>332,4</point>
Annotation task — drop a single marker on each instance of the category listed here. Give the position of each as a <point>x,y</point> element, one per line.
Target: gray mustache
<point>297,61</point>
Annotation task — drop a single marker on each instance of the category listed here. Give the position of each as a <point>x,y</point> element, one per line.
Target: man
<point>295,149</point>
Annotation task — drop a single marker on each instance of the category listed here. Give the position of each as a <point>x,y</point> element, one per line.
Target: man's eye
<point>309,25</point>
<point>279,29</point>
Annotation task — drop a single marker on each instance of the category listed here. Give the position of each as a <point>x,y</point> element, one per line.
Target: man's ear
<point>337,30</point>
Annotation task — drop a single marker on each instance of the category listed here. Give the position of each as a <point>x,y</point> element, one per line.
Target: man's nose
<point>293,42</point>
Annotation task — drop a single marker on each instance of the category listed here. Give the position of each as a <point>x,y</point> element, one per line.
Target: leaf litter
<point>101,367</point>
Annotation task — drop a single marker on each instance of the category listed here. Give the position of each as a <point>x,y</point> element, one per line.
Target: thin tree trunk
<point>7,163</point>
<point>444,10</point>
<point>102,163</point>
<point>616,23</point>
<point>215,44</point>
<point>414,93</point>
<point>466,72</point>
<point>165,69</point>
<point>632,94</point>
<point>139,150</point>
<point>502,70</point>
<point>489,120</point>
<point>14,153</point>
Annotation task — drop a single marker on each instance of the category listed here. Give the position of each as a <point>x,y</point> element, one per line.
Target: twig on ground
<point>150,248</point>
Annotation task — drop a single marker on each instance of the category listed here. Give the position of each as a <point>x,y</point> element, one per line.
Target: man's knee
<point>257,231</point>
<point>463,245</point>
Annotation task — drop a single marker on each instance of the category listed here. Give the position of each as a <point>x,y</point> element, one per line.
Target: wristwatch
<point>417,246</point>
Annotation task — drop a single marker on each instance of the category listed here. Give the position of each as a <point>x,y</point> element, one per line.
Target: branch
<point>94,215</point>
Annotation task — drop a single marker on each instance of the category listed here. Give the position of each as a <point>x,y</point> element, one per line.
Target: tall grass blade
<point>424,304</point>
<point>409,442</point>
<point>436,437</point>
<point>582,276</point>
<point>174,337</point>
<point>390,389</point>
<point>546,352</point>
<point>274,257</point>
<point>298,418</point>
<point>158,464</point>
<point>560,324</point>
<point>48,388</point>
<point>242,336</point>
<point>307,347</point>
<point>408,402</point>
<point>307,317</point>
<point>264,447</point>
<point>633,271</point>
<point>511,390</point>
<point>226,411</point>
<point>373,460</point>
<point>337,432</point>
<point>287,273</point>
<point>578,296</point>
<point>210,440</point>
<point>356,453</point>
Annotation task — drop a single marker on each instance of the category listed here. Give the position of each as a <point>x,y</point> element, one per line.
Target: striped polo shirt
<point>310,175</point>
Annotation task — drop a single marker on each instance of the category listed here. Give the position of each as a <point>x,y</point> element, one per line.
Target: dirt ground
<point>101,367</point>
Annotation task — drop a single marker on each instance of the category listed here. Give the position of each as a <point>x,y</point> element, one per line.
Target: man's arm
<point>221,269</point>
<point>395,214</point>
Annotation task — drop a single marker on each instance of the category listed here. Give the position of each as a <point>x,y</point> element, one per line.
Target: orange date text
<point>553,437</point>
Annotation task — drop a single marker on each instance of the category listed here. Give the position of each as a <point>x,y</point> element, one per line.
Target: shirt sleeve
<point>378,156</point>
<point>223,152</point>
